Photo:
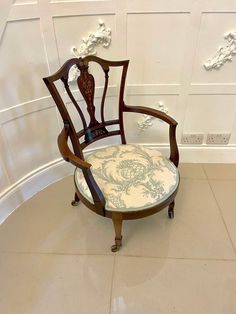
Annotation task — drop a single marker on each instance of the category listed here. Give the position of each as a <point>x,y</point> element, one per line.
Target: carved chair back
<point>93,129</point>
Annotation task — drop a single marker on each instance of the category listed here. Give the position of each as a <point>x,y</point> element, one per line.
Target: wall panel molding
<point>24,12</point>
<point>25,108</point>
<point>159,6</point>
<point>82,8</point>
<point>153,89</point>
<point>212,89</point>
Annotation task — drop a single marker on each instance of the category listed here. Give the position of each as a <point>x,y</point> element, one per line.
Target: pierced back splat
<point>86,86</point>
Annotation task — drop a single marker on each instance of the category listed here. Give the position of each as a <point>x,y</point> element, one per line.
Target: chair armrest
<point>67,153</point>
<point>174,152</point>
<point>151,112</point>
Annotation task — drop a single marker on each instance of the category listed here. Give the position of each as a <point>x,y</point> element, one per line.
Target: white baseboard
<point>206,154</point>
<point>36,181</point>
<point>201,154</point>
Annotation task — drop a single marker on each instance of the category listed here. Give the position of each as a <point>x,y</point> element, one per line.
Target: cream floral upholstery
<point>131,177</point>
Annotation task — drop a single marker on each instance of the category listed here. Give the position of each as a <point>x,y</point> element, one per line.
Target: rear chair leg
<point>76,201</point>
<point>171,210</point>
<point>117,221</point>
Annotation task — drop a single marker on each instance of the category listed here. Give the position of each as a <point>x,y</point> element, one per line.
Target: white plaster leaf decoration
<point>101,37</point>
<point>146,121</point>
<point>224,53</point>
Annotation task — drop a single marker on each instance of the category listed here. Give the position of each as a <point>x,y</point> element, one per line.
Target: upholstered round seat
<point>131,177</point>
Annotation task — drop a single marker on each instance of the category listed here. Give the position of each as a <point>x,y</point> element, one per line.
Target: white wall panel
<point>22,63</point>
<point>159,131</point>
<point>4,12</point>
<point>211,36</point>
<point>30,142</point>
<point>210,114</point>
<point>147,34</point>
<point>70,30</point>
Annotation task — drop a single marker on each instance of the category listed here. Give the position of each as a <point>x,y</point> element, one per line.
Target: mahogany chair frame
<point>98,130</point>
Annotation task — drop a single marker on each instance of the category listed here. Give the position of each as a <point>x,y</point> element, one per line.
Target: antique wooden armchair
<point>121,181</point>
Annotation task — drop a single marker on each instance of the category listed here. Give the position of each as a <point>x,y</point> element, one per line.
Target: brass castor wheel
<point>115,248</point>
<point>171,214</point>
<point>74,203</point>
<point>171,210</point>
<point>117,245</point>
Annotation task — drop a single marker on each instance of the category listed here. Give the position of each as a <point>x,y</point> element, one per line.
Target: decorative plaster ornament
<point>147,121</point>
<point>224,53</point>
<point>102,36</point>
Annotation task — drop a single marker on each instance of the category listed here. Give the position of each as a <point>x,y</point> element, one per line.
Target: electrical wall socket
<point>194,139</point>
<point>218,138</point>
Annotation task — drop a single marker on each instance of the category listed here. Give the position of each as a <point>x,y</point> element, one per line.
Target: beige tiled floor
<point>55,258</point>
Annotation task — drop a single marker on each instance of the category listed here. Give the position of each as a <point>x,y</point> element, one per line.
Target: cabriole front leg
<point>117,222</point>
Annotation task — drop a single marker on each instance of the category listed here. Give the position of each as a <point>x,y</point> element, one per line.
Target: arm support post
<point>174,152</point>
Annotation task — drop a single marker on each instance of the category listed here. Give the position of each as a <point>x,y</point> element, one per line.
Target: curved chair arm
<point>151,112</point>
<point>174,152</point>
<point>68,155</point>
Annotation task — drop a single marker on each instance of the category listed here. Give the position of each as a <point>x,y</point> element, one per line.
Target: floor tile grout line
<point>192,178</point>
<point>112,283</point>
<point>214,179</point>
<point>223,180</point>
<point>183,258</point>
<point>55,253</point>
<point>206,179</point>
<point>124,255</point>
<point>218,179</point>
<point>205,172</point>
<point>220,211</point>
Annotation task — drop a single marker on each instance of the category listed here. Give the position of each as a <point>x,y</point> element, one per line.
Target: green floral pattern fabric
<point>131,177</point>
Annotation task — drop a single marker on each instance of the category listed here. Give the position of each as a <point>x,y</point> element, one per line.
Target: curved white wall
<point>167,44</point>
